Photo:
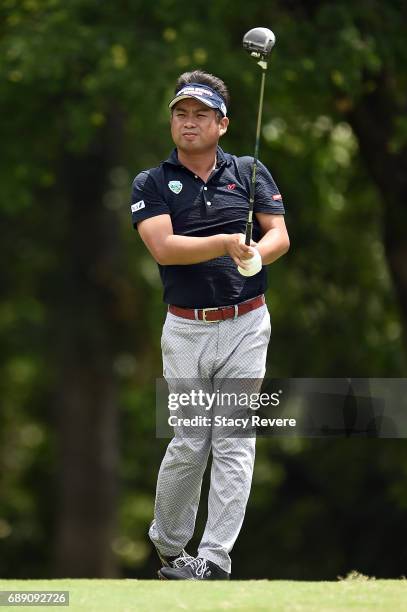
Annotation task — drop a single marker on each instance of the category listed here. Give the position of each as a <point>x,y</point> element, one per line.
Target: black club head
<point>259,42</point>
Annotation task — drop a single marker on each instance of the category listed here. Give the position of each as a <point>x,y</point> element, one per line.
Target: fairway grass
<point>250,596</point>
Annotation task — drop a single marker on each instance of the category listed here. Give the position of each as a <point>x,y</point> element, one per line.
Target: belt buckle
<point>204,311</point>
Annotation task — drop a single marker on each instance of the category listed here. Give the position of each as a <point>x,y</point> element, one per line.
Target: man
<point>191,213</point>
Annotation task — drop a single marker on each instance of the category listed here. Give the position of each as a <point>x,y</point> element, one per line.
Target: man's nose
<point>189,121</point>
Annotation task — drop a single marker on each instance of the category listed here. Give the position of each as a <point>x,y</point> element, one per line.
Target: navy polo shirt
<point>219,206</point>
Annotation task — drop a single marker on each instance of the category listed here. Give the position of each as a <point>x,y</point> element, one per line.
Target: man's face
<point>195,127</point>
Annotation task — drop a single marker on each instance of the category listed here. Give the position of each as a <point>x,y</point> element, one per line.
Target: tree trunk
<point>373,121</point>
<point>87,437</point>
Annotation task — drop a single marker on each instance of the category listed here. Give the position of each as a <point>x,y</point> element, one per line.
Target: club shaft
<point>249,225</point>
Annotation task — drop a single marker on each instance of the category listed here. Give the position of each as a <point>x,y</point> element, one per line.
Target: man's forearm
<point>273,245</point>
<point>186,250</point>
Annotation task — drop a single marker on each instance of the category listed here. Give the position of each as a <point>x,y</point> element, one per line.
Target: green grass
<point>354,593</point>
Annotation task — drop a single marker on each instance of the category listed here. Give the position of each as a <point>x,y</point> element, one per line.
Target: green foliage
<point>68,70</point>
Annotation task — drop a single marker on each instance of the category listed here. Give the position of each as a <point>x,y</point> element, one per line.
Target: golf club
<point>259,43</point>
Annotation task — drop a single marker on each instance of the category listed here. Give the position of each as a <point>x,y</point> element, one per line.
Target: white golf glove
<point>255,264</point>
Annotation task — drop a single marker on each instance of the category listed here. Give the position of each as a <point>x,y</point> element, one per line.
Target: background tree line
<point>83,101</point>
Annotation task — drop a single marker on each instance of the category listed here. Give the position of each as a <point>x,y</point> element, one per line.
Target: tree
<point>84,93</point>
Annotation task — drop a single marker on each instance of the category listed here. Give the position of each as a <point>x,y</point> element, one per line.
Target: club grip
<point>249,231</point>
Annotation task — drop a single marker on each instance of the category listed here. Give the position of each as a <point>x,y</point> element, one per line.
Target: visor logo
<point>175,186</point>
<point>195,91</point>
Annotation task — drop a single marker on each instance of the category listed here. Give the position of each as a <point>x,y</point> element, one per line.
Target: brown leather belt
<point>212,315</point>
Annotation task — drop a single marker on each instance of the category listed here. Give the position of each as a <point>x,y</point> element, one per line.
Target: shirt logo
<point>277,196</point>
<point>231,186</point>
<point>175,186</point>
<point>137,206</point>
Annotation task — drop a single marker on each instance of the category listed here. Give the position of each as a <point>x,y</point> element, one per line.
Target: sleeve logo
<point>277,196</point>
<point>137,206</point>
<point>175,186</point>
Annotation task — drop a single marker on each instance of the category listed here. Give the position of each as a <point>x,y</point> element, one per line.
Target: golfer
<point>191,213</point>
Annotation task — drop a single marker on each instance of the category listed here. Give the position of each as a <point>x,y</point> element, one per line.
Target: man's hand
<point>237,249</point>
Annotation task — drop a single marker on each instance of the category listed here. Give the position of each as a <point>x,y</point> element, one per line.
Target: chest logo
<point>175,186</point>
<point>231,186</point>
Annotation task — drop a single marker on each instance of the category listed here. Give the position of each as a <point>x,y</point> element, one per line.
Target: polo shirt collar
<point>220,158</point>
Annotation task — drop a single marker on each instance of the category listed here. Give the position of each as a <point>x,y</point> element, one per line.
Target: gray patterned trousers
<point>211,352</point>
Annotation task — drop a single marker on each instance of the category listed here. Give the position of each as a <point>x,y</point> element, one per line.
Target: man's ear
<point>223,125</point>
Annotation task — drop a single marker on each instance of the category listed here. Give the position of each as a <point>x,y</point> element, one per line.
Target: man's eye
<point>202,115</point>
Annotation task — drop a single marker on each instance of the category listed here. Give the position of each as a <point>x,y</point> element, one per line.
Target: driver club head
<point>259,42</point>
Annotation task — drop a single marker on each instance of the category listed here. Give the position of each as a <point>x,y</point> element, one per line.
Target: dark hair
<point>204,78</point>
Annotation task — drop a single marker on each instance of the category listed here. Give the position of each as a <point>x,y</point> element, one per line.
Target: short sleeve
<point>268,199</point>
<point>146,200</point>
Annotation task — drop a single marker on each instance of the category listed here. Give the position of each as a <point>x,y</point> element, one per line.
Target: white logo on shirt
<point>137,206</point>
<point>175,186</point>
